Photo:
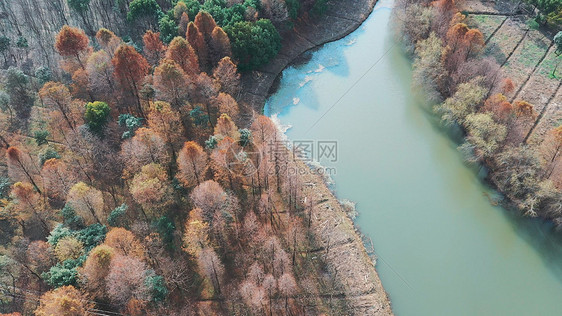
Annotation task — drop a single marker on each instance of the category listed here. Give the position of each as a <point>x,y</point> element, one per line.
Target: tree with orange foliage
<point>29,204</point>
<point>40,256</point>
<point>473,40</point>
<point>203,90</point>
<point>170,83</point>
<point>219,44</point>
<point>56,96</point>
<point>227,76</point>
<point>524,109</point>
<point>96,269</point>
<point>219,163</point>
<point>225,127</point>
<point>226,104</point>
<point>136,307</point>
<point>124,242</point>
<point>72,42</point>
<point>144,148</point>
<point>154,49</point>
<point>499,106</point>
<point>165,121</point>
<point>151,188</point>
<point>79,85</point>
<point>192,162</point>
<point>182,53</point>
<point>66,301</point>
<point>263,130</point>
<point>22,168</point>
<point>197,41</point>
<point>130,68</point>
<point>455,35</point>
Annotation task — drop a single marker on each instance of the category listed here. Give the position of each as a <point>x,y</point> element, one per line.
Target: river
<point>442,247</point>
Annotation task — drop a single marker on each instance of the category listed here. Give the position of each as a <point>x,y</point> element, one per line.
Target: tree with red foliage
<point>154,48</point>
<point>507,86</point>
<point>130,69</point>
<point>220,45</point>
<point>72,42</point>
<point>197,41</point>
<point>182,53</point>
<point>499,106</point>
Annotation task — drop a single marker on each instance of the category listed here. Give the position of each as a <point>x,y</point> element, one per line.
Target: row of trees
<point>120,195</point>
<point>470,91</point>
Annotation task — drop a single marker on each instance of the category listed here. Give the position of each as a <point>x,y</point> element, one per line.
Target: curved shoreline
<point>341,18</point>
<point>342,243</point>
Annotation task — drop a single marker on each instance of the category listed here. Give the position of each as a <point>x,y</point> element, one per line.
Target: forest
<point>470,90</point>
<point>116,192</point>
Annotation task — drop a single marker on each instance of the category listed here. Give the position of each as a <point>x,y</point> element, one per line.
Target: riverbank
<point>498,86</point>
<point>337,237</point>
